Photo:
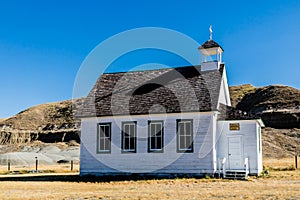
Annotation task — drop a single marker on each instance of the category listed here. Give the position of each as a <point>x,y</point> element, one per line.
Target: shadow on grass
<point>93,179</point>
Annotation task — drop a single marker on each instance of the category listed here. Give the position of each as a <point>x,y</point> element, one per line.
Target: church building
<point>169,122</point>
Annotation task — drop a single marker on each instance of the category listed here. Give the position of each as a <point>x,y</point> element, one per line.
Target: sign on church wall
<point>234,126</point>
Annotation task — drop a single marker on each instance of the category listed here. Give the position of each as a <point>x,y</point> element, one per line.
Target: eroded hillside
<point>51,122</point>
<point>278,106</point>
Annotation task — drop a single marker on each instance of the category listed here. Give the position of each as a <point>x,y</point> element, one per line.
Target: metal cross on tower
<point>210,32</point>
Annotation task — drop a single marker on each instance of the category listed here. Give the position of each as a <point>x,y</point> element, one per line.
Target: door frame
<point>241,149</point>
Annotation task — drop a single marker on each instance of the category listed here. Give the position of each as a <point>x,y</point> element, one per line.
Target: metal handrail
<point>221,167</point>
<point>246,165</point>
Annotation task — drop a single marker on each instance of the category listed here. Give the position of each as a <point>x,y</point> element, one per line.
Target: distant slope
<point>278,106</point>
<point>2,119</point>
<point>279,143</point>
<point>51,122</point>
<point>273,97</point>
<point>237,93</point>
<point>49,116</point>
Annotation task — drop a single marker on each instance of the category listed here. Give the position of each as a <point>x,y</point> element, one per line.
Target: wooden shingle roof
<point>171,90</point>
<point>210,44</point>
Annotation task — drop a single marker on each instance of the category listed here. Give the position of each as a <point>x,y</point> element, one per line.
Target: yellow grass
<point>280,163</point>
<point>268,163</point>
<point>278,185</point>
<point>59,168</point>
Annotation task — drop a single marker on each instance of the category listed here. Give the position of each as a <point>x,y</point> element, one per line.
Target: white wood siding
<point>249,134</point>
<point>224,96</point>
<point>200,161</point>
<point>259,148</point>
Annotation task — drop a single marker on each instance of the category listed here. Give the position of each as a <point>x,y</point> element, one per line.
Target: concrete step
<point>238,174</point>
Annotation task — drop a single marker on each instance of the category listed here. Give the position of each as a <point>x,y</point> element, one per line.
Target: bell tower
<point>211,54</point>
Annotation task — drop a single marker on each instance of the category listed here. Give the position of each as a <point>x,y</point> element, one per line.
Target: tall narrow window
<point>104,138</point>
<point>129,137</point>
<point>184,135</point>
<point>156,136</point>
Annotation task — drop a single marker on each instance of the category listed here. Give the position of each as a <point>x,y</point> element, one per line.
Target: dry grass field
<point>276,185</point>
<point>58,168</point>
<point>280,185</point>
<point>280,164</point>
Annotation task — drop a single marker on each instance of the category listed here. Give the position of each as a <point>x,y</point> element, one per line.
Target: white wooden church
<point>169,122</point>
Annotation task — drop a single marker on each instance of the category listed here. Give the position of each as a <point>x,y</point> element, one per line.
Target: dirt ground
<point>279,185</point>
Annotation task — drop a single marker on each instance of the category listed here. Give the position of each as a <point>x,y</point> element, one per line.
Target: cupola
<point>211,54</point>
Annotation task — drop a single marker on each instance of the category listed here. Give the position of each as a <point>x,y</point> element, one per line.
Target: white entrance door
<point>235,152</point>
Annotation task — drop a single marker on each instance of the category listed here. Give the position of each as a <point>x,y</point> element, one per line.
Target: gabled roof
<point>170,90</point>
<point>210,44</point>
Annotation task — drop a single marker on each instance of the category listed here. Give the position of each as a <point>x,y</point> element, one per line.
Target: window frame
<point>150,150</point>
<point>191,149</point>
<point>134,138</point>
<point>105,151</point>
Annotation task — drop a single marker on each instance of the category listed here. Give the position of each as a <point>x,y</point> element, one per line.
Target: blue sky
<point>43,43</point>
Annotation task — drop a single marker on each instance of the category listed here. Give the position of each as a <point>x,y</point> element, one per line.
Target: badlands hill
<point>51,122</point>
<point>279,108</point>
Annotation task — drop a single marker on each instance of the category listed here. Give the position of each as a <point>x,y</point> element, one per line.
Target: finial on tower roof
<point>210,32</point>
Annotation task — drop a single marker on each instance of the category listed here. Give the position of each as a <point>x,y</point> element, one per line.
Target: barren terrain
<point>279,185</point>
<point>280,143</point>
<point>22,157</point>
